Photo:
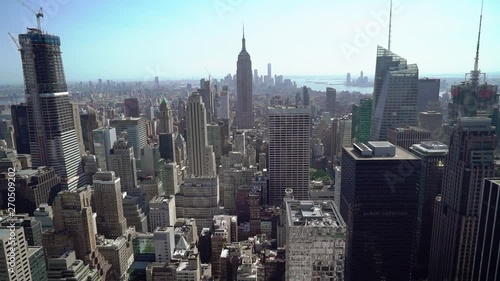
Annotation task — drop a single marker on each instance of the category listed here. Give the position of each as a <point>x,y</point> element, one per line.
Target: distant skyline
<point>122,40</point>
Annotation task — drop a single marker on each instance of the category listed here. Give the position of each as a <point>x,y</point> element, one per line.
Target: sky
<point>137,40</point>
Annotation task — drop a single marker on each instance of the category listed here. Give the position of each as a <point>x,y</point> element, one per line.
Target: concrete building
<point>119,253</point>
<point>68,268</point>
<point>222,109</point>
<point>90,166</point>
<point>123,163</point>
<point>7,133</point>
<point>315,241</point>
<point>331,98</point>
<point>172,178</point>
<point>216,140</point>
<point>167,146</point>
<point>380,205</point>
<point>166,118</point>
<point>164,243</point>
<point>431,121</point>
<point>221,235</point>
<point>244,101</point>
<point>45,216</point>
<point>134,130</point>
<point>107,198</point>
<point>162,212</point>
<point>14,262</point>
<point>32,228</point>
<point>103,140</point>
<point>341,130</point>
<point>395,96</point>
<point>36,258</point>
<point>199,199</point>
<point>289,150</point>
<point>89,121</point>
<point>133,210</point>
<point>469,161</point>
<point>201,158</point>
<point>428,92</point>
<point>131,108</point>
<point>407,136</point>
<point>230,181</point>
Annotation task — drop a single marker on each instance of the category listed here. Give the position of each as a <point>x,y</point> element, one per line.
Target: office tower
<point>36,260</point>
<point>89,121</point>
<point>90,166</point>
<point>469,161</point>
<point>341,130</point>
<point>221,235</point>
<point>331,98</point>
<point>181,150</point>
<point>108,205</point>
<point>7,133</point>
<point>166,118</point>
<point>244,104</point>
<point>486,259</point>
<point>289,131</point>
<point>152,163</point>
<point>74,229</point>
<point>395,94</point>
<point>157,82</point>
<point>431,121</point>
<point>230,181</point>
<point>103,140</point>
<point>162,212</point>
<point>171,175</point>
<point>407,136</point>
<point>315,241</point>
<point>362,120</point>
<point>32,228</point>
<point>20,123</point>
<point>48,99</point>
<point>135,130</point>
<point>379,202</point>
<point>222,107</point>
<point>132,109</point>
<point>167,146</point>
<point>45,216</point>
<point>205,92</point>
<point>133,211</point>
<point>215,138</point>
<point>32,188</point>
<point>306,100</point>
<point>122,162</point>
<point>201,159</point>
<point>269,74</point>
<point>151,186</point>
<point>119,252</point>
<point>198,198</point>
<point>256,77</point>
<point>432,155</point>
<point>78,127</point>
<point>66,267</point>
<point>14,267</point>
<point>239,142</point>
<point>164,243</point>
<point>428,92</point>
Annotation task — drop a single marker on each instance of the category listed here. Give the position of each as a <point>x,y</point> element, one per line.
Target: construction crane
<point>38,14</point>
<point>15,41</point>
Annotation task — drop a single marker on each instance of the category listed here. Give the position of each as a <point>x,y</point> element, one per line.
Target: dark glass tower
<point>20,122</point>
<point>52,134</point>
<point>244,105</point>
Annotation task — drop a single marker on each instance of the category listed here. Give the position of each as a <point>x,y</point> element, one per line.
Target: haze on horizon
<point>120,40</point>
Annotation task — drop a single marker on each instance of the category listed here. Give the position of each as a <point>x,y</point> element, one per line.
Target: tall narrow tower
<point>52,135</point>
<point>244,105</point>
<point>166,118</point>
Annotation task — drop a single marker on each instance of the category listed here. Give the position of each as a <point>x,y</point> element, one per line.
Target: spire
<point>390,27</point>
<point>475,72</point>
<point>243,47</point>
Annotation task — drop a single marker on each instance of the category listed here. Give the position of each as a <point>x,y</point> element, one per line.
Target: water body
<point>320,84</point>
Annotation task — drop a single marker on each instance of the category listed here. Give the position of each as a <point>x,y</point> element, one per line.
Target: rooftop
<point>400,154</point>
<point>310,213</point>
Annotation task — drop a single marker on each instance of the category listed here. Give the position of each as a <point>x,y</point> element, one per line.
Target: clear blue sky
<point>135,40</point>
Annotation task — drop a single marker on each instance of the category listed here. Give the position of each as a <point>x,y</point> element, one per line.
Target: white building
<point>103,140</point>
<point>14,263</point>
<point>164,240</point>
<point>162,212</point>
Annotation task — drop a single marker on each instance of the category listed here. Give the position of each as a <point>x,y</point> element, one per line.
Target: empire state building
<point>244,105</point>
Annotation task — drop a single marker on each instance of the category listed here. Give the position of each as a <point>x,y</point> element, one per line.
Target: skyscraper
<point>103,140</point>
<point>122,162</point>
<point>52,144</point>
<point>486,259</point>
<point>362,120</point>
<point>469,161</point>
<point>166,118</point>
<point>14,267</point>
<point>132,108</point>
<point>331,98</point>
<point>395,94</point>
<point>269,74</point>
<point>19,114</point>
<point>305,96</point>
<point>134,130</point>
<point>244,103</point>
<point>379,199</point>
<point>201,159</point>
<point>289,131</point>
<point>108,205</point>
<point>223,108</point>
<point>341,130</point>
<point>428,91</point>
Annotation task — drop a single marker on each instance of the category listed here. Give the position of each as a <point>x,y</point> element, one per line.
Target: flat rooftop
<point>401,154</point>
<point>313,213</point>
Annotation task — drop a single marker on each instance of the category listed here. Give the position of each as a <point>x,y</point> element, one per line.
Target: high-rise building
<point>66,267</point>
<point>362,120</point>
<point>19,114</point>
<point>119,252</point>
<point>244,103</point>
<point>431,121</point>
<point>122,162</point>
<point>239,140</point>
<point>379,200</point>
<point>167,146</point>
<point>331,98</point>
<point>206,94</point>
<point>215,138</point>
<point>269,74</point>
<point>306,99</point>
<point>166,118</point>
<point>164,243</point>
<point>395,94</point>
<point>89,121</point>
<point>315,241</point>
<point>132,108</point>
<point>162,212</point>
<point>14,263</point>
<point>407,136</point>
<point>201,158</point>
<point>134,130</point>
<point>172,178</point>
<point>289,145</point>
<point>486,259</point>
<point>432,155</point>
<point>7,133</point>
<point>469,161</point>
<point>103,140</point>
<point>36,258</point>
<point>222,108</point>
<point>55,145</point>
<point>108,205</point>
<point>428,92</point>
<point>341,130</point>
